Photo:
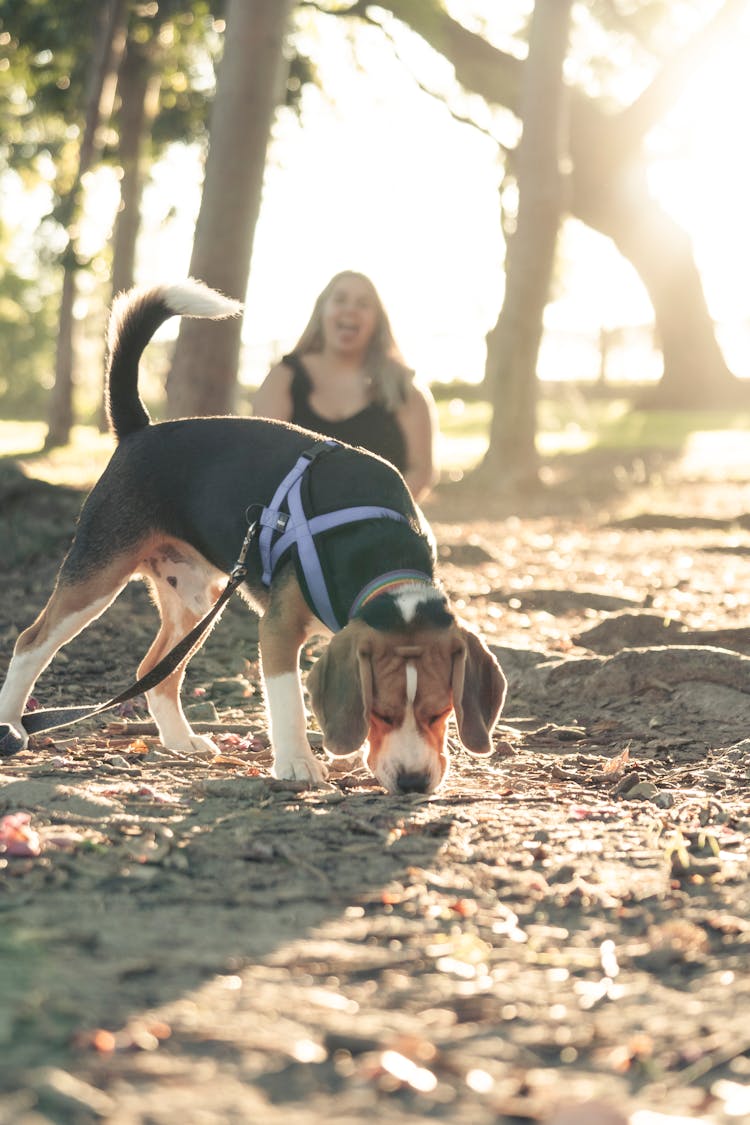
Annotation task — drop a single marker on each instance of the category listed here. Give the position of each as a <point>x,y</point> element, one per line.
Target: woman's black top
<point>374,427</point>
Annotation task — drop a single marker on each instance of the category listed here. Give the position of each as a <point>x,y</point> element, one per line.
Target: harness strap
<point>271,518</point>
<point>330,520</point>
<point>309,561</point>
<point>295,529</point>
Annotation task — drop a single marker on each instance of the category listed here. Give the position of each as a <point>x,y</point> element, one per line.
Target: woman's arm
<point>273,398</point>
<point>418,421</point>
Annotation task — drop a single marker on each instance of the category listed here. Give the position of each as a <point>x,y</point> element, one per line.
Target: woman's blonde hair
<point>389,375</point>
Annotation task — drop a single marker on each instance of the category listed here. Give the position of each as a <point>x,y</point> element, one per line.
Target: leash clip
<point>239,570</point>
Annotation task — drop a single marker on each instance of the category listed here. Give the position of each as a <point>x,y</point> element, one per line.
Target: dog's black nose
<point>413,781</point>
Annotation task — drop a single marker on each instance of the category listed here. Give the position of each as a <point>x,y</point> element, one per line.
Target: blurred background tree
<point>511,372</point>
<point>69,65</point>
<point>158,58</point>
<point>607,188</point>
<point>249,86</point>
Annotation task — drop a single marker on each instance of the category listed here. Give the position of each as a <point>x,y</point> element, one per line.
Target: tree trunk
<point>609,189</point>
<point>610,194</point>
<point>110,43</point>
<point>60,417</point>
<point>695,374</point>
<point>249,84</point>
<point>511,459</point>
<point>137,87</point>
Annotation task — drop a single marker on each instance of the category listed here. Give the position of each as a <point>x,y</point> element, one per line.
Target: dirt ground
<point>565,923</point>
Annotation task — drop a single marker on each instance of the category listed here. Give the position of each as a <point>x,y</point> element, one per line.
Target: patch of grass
<point>667,429</point>
<point>572,423</point>
<point>566,425</point>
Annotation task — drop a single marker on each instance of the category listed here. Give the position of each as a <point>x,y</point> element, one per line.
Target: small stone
<point>119,762</point>
<point>664,799</point>
<point>643,791</point>
<point>204,712</point>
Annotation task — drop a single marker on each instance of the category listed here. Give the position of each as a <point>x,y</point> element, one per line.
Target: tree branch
<point>651,105</point>
<point>461,118</point>
<point>496,75</point>
<point>480,67</point>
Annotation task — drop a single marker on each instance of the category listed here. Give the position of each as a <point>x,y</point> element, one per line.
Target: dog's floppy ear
<point>478,693</point>
<point>340,686</point>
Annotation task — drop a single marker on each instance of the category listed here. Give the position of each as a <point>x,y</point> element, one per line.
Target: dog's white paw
<point>194,746</point>
<point>203,747</point>
<point>301,768</point>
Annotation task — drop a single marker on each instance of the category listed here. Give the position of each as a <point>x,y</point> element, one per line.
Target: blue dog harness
<point>284,525</point>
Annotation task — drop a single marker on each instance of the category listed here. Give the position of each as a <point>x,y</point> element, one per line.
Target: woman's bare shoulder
<point>273,398</point>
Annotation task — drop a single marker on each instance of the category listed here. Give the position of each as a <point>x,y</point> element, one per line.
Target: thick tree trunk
<point>609,189</point>
<point>110,44</point>
<point>610,194</point>
<point>511,460</point>
<point>695,373</point>
<point>248,89</point>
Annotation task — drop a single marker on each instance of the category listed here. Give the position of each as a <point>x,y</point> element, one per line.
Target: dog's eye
<point>439,718</point>
<point>383,718</point>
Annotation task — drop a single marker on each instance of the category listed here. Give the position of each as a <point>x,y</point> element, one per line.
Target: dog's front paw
<point>202,747</point>
<point>193,746</point>
<point>13,739</point>
<point>304,767</point>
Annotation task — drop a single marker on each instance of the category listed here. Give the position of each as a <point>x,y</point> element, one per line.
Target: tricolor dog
<point>338,547</point>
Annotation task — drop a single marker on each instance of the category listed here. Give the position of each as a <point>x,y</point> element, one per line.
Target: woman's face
<point>350,316</point>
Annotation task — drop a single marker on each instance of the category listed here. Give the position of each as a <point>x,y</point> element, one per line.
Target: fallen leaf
<point>617,765</point>
<point>137,746</point>
<point>17,837</point>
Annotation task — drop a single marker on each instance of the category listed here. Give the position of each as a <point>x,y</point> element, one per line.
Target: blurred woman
<point>346,379</point>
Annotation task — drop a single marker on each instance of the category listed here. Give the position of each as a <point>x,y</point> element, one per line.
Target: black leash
<point>50,718</point>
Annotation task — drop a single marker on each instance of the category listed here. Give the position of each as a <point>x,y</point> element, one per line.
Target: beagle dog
<point>334,543</point>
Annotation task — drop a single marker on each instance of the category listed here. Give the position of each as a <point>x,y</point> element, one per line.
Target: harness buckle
<point>275,520</point>
<point>318,448</point>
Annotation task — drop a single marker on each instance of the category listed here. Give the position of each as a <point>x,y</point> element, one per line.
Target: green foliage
<point>182,43</point>
<point>48,49</point>
<point>45,59</point>
<point>28,314</point>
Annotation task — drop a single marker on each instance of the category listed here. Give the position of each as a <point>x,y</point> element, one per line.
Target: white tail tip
<point>193,298</point>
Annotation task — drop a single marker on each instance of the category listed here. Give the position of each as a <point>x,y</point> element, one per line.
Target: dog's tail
<point>135,317</point>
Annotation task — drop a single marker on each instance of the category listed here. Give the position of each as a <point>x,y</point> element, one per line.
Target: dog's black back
<point>201,479</point>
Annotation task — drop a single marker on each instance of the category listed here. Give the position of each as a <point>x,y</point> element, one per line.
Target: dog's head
<point>396,687</point>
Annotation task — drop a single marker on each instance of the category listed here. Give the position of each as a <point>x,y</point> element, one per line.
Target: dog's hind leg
<point>184,587</point>
<point>75,602</point>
